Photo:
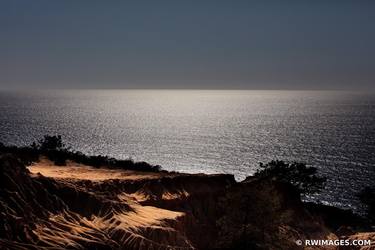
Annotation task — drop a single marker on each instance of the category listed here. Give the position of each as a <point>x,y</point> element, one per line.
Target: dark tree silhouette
<point>304,178</point>
<point>49,142</point>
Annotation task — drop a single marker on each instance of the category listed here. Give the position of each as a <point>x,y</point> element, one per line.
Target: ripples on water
<point>209,131</point>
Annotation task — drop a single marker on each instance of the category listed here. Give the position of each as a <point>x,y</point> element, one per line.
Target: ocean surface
<point>209,131</point>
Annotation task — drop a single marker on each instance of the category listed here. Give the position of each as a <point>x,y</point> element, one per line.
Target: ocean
<point>209,131</point>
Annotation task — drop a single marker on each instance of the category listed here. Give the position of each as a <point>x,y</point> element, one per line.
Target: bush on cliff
<point>304,178</point>
<point>54,148</point>
<point>49,142</point>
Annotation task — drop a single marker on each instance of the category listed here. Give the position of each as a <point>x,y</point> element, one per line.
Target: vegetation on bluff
<point>304,178</point>
<point>54,148</point>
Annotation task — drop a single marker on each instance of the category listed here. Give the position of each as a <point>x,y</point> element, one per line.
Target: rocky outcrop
<point>177,211</point>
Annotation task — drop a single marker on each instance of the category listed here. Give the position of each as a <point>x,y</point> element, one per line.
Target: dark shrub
<point>53,148</point>
<point>298,174</point>
<point>50,143</point>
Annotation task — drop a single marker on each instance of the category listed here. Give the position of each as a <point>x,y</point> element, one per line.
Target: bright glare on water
<point>209,131</point>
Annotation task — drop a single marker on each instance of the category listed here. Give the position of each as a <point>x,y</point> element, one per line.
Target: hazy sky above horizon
<point>187,44</point>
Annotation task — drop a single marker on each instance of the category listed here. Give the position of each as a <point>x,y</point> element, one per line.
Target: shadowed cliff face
<point>176,211</point>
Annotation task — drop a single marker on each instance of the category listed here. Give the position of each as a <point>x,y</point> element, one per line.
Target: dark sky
<point>187,44</point>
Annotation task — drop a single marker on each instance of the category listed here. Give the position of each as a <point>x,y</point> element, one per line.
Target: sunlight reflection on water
<point>208,131</point>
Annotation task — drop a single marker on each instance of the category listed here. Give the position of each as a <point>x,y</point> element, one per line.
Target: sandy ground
<point>74,170</point>
<point>142,227</point>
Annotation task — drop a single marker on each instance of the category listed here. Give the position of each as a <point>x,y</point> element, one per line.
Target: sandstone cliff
<point>156,211</point>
